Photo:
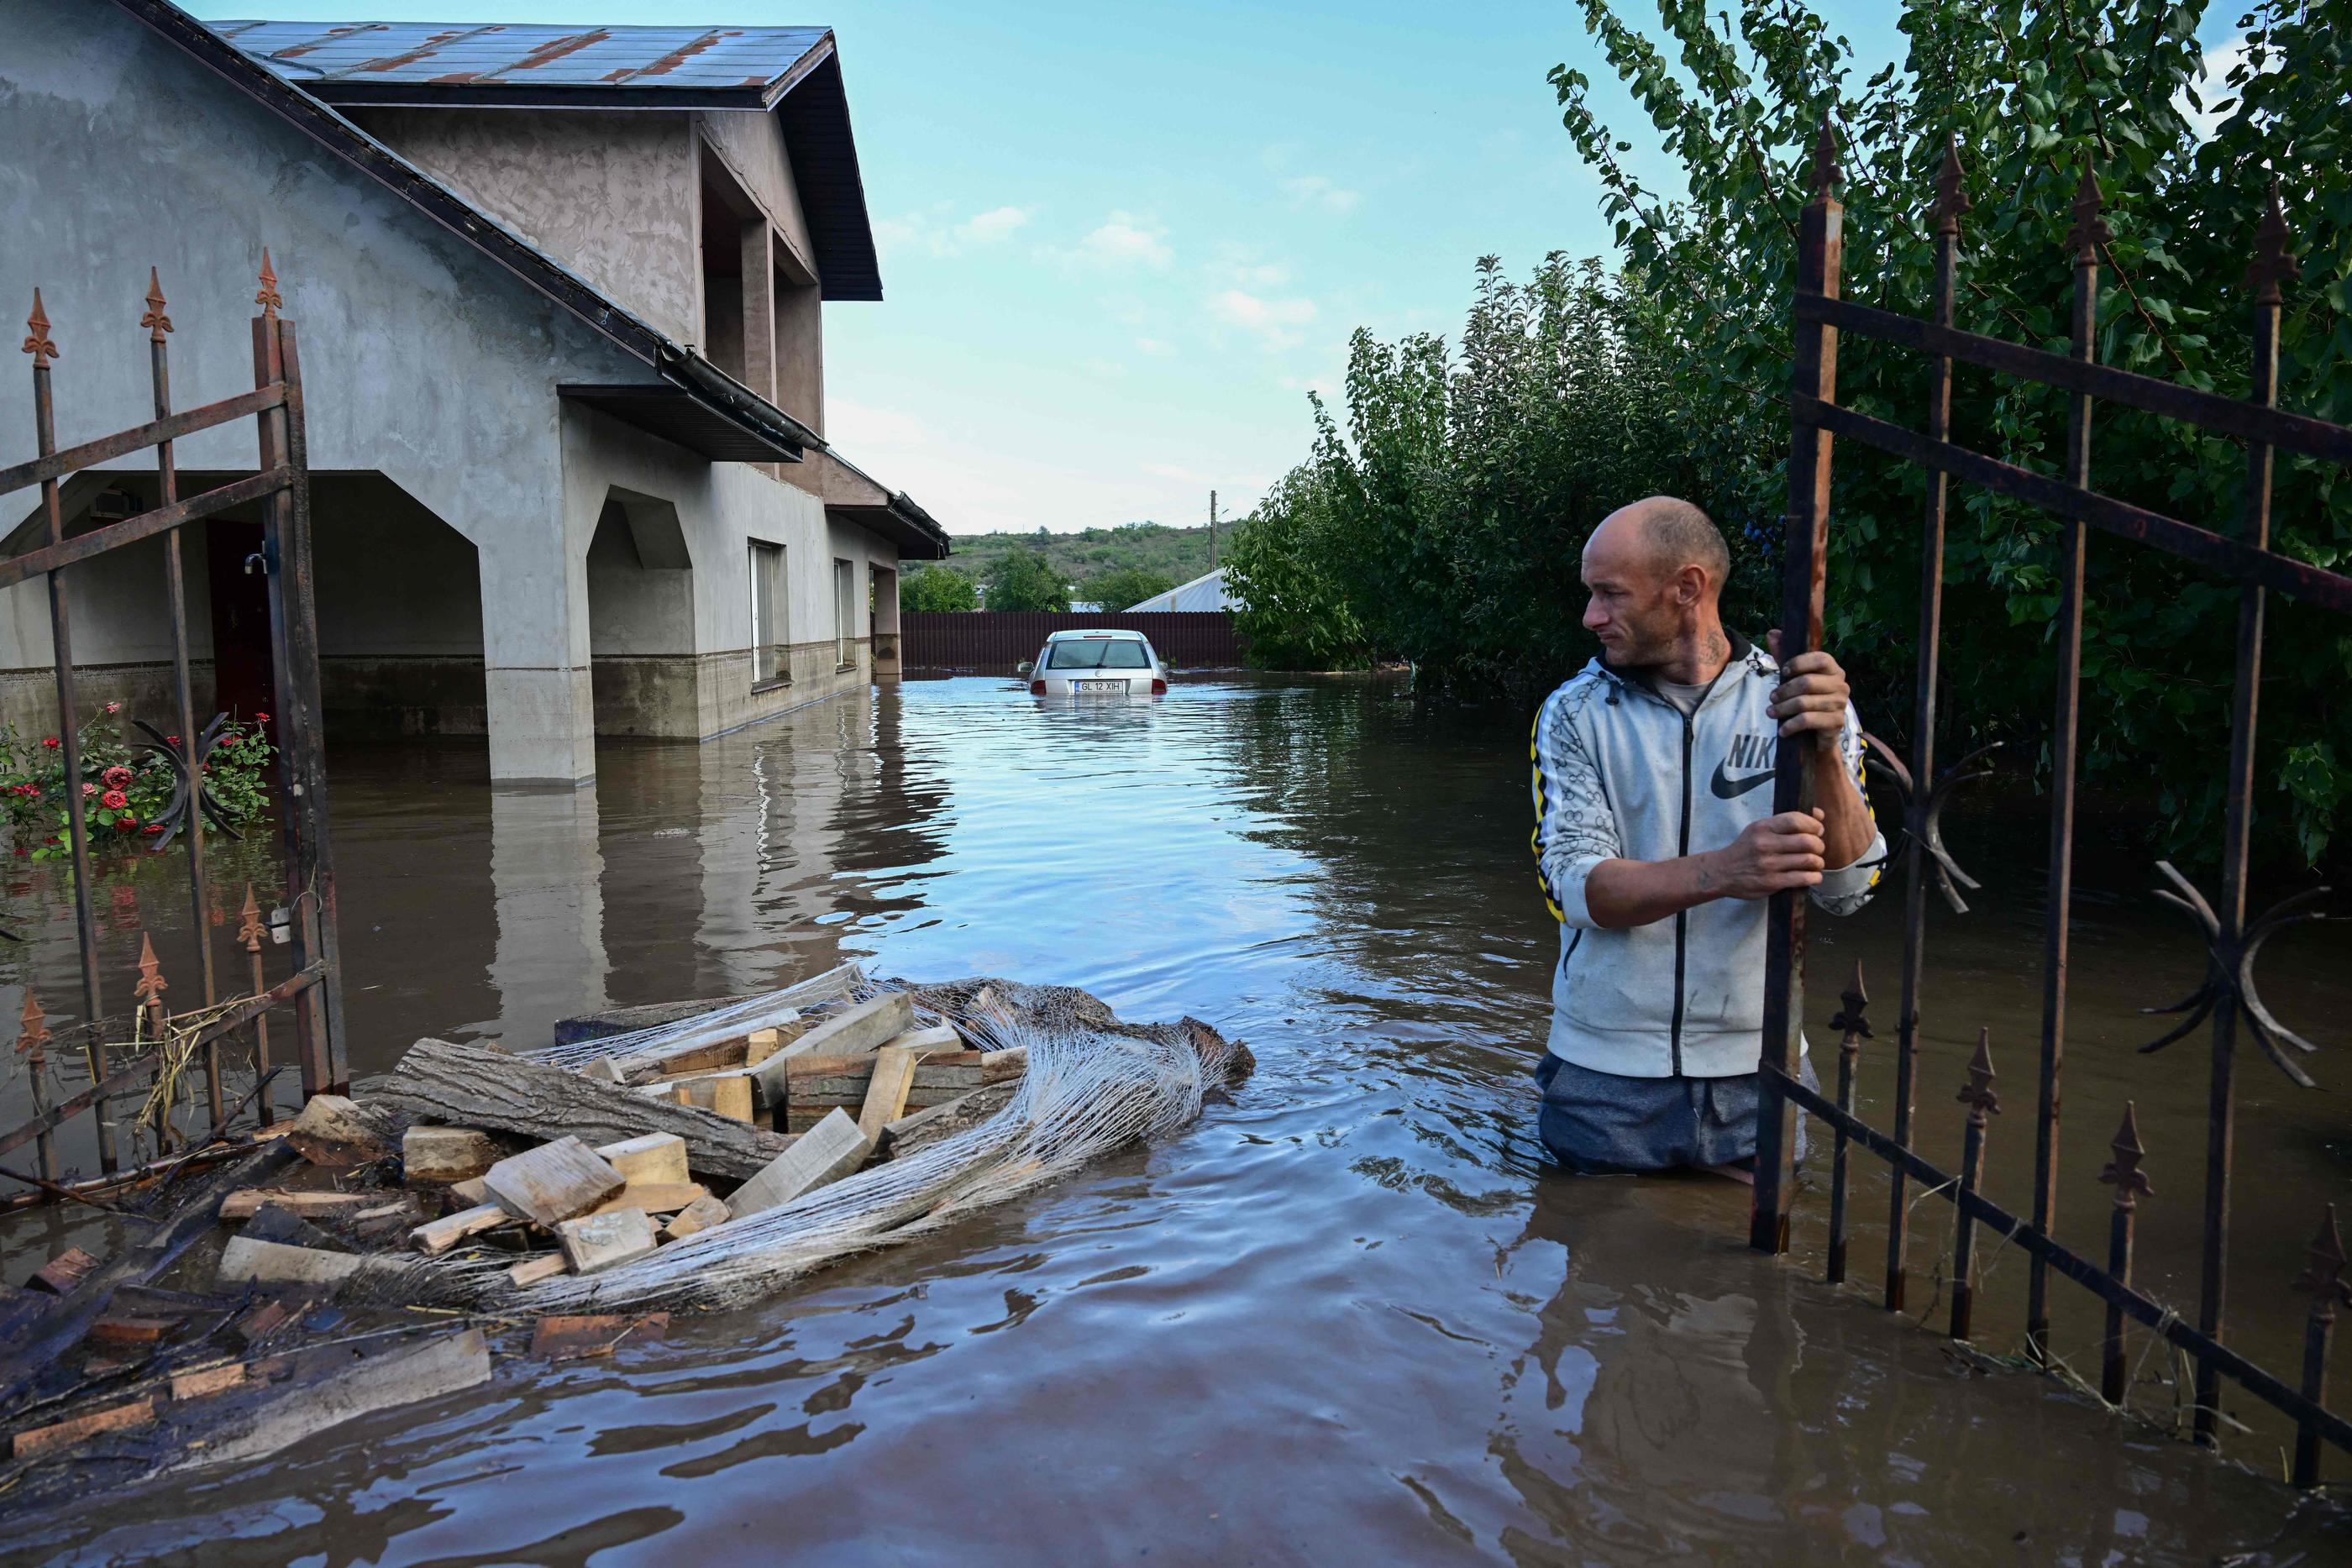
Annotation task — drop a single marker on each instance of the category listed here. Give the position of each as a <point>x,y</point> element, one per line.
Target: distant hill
<point>1180,554</point>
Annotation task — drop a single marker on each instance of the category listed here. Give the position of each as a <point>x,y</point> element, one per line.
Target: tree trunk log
<point>478,1086</point>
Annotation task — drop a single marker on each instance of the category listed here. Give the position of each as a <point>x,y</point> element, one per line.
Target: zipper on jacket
<point>1682,919</point>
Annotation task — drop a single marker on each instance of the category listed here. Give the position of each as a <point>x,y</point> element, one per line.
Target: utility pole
<point>1213,531</point>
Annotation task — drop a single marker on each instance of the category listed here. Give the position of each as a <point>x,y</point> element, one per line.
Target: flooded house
<point>561,298</point>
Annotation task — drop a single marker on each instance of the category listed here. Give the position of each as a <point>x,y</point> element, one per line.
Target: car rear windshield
<point>1098,653</point>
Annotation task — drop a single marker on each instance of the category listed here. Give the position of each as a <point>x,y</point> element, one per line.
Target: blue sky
<point>1120,242</point>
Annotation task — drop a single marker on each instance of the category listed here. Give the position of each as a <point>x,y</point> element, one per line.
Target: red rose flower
<point>152,827</point>
<point>117,777</point>
<point>114,707</point>
<point>173,739</point>
<point>50,741</point>
<point>261,718</point>
<point>89,789</point>
<point>115,800</point>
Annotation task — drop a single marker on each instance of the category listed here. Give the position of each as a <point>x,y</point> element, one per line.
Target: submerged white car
<point>1096,663</point>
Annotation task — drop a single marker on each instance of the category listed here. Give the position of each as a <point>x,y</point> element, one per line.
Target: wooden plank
<point>605,1070</point>
<point>807,1111</point>
<point>118,1329</point>
<point>60,1274</point>
<point>483,1087</point>
<point>440,1234</point>
<point>655,1198</point>
<point>240,1206</point>
<point>440,1155</point>
<point>700,1215</point>
<point>837,1087</point>
<point>885,1096</point>
<point>831,1150</point>
<point>441,1365</point>
<point>273,1262</point>
<point>66,1434</point>
<point>909,1134</point>
<point>856,1031</point>
<point>211,1380</point>
<point>726,1094</point>
<point>333,1134</point>
<point>531,1270</point>
<point>1003,1066</point>
<point>469,1193</point>
<point>565,1337</point>
<point>763,1043</point>
<point>600,1241</point>
<point>553,1182</point>
<point>657,1157</point>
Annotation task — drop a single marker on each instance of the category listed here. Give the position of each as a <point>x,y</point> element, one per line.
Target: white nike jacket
<point>1622,774</point>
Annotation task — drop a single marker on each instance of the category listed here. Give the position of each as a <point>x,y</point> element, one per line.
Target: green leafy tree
<point>937,588</point>
<point>2032,91</point>
<point>1293,613</point>
<point>1122,587</point>
<point>1026,579</point>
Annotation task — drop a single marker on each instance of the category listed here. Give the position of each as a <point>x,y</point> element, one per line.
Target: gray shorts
<point>1602,1124</point>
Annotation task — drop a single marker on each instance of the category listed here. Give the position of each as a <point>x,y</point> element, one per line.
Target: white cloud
<point>1125,240</point>
<point>995,224</point>
<point>1155,347</point>
<point>1274,322</point>
<point>2214,89</point>
<point>1323,191</point>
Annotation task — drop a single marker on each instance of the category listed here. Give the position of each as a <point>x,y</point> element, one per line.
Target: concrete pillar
<point>759,309</point>
<point>887,664</point>
<point>541,704</point>
<point>546,871</point>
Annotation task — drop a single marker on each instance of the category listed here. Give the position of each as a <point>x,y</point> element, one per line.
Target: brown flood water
<point>1349,1314</point>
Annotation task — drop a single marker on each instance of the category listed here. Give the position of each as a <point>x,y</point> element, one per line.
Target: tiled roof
<point>379,57</point>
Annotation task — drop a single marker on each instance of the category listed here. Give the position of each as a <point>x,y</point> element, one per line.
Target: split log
<point>121,1329</point>
<point>211,1380</point>
<point>553,1182</point>
<point>565,1337</point>
<point>440,1155</point>
<point>61,1273</point>
<point>655,1196</point>
<point>275,1263</point>
<point>441,1365</point>
<point>628,1021</point>
<point>807,1111</point>
<point>605,1241</point>
<point>241,1206</point>
<point>531,1270</point>
<point>488,1088</point>
<point>66,1434</point>
<point>656,1156</point>
<point>440,1234</point>
<point>885,1094</point>
<point>909,1134</point>
<point>470,1194</point>
<point>826,1154</point>
<point>726,1093</point>
<point>699,1216</point>
<point>335,1134</point>
<point>858,1031</point>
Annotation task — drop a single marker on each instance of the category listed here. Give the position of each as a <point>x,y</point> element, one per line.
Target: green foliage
<point>123,789</point>
<point>2032,92</point>
<point>1026,579</point>
<point>1293,615</point>
<point>1179,554</point>
<point>936,588</point>
<point>1124,586</point>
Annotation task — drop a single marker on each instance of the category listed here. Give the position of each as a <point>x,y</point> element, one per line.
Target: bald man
<point>1658,847</point>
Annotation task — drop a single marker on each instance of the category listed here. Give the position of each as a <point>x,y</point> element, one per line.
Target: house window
<point>844,606</point>
<point>768,633</point>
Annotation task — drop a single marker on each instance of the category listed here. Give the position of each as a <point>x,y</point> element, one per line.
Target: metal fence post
<point>2129,1181</point>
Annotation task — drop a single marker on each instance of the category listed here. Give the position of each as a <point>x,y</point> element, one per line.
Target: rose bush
<point>122,786</point>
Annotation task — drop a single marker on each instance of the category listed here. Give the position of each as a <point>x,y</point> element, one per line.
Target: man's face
<point>1634,608</point>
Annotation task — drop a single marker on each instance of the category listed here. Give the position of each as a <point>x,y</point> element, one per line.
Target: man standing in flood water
<point>1658,848</point>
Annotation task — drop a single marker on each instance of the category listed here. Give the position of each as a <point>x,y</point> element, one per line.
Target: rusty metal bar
<point>1855,1028</point>
<point>2089,239</point>
<point>1951,202</point>
<point>1814,375</point>
<point>249,932</point>
<point>317,867</point>
<point>2282,574</point>
<point>123,1077</point>
<point>146,525</point>
<point>2167,1324</point>
<point>1978,1095</point>
<point>32,1042</point>
<point>44,426</point>
<point>159,324</point>
<point>2224,415</point>
<point>2129,1181</point>
<point>2323,1276</point>
<point>2271,265</point>
<point>122,442</point>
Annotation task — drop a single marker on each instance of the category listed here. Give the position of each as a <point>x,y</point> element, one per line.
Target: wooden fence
<point>990,642</point>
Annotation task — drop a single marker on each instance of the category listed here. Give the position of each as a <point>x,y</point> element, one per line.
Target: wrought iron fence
<point>2228,996</point>
<point>167,1049</point>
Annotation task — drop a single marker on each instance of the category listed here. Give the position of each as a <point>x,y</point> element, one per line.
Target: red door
<point>243,676</point>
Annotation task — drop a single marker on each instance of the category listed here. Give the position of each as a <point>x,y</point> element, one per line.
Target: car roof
<point>1106,632</point>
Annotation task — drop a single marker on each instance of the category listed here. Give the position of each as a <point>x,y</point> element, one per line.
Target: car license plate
<point>1102,685</point>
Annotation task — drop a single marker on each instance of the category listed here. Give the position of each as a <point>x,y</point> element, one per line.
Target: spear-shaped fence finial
<point>32,1029</point>
<point>1826,172</point>
<point>2123,1172</point>
<point>2274,264</point>
<point>1850,1017</point>
<point>2323,1270</point>
<point>155,321</point>
<point>1978,1094</point>
<point>267,298</point>
<point>248,930</point>
<point>151,983</point>
<point>1951,197</point>
<point>38,341</point>
<point>2090,233</point>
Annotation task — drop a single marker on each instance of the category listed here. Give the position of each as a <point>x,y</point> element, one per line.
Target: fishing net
<point>1092,1085</point>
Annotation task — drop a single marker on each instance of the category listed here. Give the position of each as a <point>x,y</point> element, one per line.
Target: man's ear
<point>1690,586</point>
